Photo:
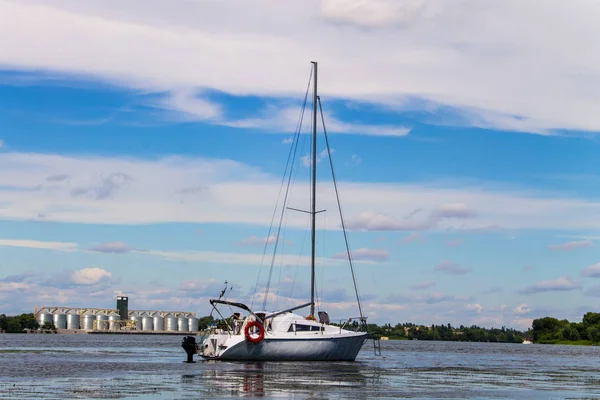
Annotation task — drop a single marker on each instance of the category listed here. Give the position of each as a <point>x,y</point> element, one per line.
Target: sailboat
<point>285,335</point>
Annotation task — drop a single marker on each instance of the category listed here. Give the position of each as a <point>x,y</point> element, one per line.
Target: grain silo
<point>170,323</point>
<point>193,324</point>
<point>102,322</point>
<point>60,320</point>
<point>138,322</point>
<point>113,321</point>
<point>147,322</point>
<point>44,317</point>
<point>87,321</point>
<point>183,324</point>
<point>72,320</point>
<point>159,323</point>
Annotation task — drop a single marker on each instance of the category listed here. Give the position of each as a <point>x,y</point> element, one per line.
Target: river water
<point>152,367</point>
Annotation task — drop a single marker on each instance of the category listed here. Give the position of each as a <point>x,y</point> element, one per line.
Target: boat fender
<point>261,332</point>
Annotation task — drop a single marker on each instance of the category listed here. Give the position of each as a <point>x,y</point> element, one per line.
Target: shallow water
<point>152,367</point>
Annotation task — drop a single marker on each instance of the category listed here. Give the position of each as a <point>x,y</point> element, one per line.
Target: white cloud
<point>407,55</point>
<point>112,247</point>
<point>288,140</point>
<point>438,297</point>
<point>57,178</point>
<point>13,287</point>
<point>373,221</point>
<point>412,237</point>
<point>354,159</point>
<point>191,106</point>
<point>556,285</point>
<point>522,309</point>
<point>455,210</point>
<point>242,259</point>
<point>568,246</point>
<point>307,160</point>
<point>364,253</point>
<point>112,190</point>
<point>284,120</point>
<point>257,241</point>
<point>363,256</point>
<point>452,268</point>
<point>593,271</point>
<point>373,14</point>
<point>36,244</point>
<point>89,276</point>
<point>474,307</point>
<point>193,294</point>
<point>336,126</point>
<point>522,323</point>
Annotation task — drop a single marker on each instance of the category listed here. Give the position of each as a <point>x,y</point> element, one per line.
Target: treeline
<point>553,331</point>
<point>474,333</point>
<point>18,323</point>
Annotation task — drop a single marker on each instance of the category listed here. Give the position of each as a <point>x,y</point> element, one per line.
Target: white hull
<point>287,337</point>
<point>337,348</point>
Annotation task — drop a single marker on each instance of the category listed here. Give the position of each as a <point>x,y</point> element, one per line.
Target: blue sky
<point>142,146</point>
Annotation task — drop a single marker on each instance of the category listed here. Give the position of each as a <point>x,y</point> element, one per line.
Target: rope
<point>337,195</point>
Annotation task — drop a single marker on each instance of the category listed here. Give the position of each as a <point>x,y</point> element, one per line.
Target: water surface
<point>152,367</point>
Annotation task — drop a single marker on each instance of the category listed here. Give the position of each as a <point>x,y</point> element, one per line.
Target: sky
<point>143,145</point>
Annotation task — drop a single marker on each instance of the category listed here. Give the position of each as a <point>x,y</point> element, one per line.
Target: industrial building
<point>119,320</point>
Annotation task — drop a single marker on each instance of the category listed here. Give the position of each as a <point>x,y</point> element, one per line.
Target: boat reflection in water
<point>264,379</point>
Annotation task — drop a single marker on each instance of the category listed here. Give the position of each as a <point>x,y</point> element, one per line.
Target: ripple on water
<point>119,367</point>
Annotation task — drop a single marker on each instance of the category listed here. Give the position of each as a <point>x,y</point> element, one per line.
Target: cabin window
<point>305,328</point>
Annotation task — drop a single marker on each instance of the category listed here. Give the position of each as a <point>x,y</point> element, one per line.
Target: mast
<point>314,194</point>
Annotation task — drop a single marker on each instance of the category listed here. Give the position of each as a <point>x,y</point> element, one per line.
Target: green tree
<point>593,333</point>
<point>591,318</point>
<point>204,322</point>
<point>14,326</point>
<point>570,333</point>
<point>543,327</point>
<point>3,322</point>
<point>48,326</point>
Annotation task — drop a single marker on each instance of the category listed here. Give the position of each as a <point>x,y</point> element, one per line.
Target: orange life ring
<point>311,318</point>
<point>261,332</point>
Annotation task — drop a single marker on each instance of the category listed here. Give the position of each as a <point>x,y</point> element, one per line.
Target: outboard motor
<point>190,346</point>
